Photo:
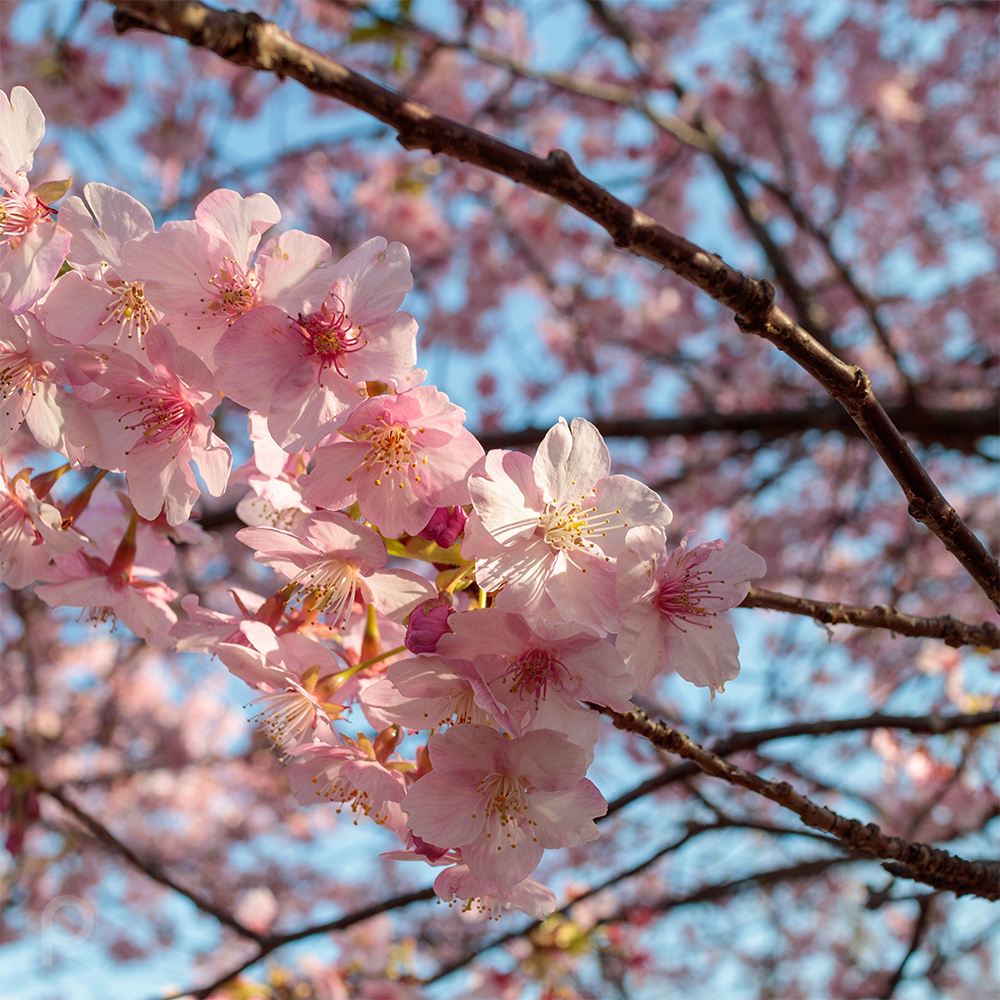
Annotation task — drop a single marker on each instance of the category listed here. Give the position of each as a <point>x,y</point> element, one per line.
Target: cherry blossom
<point>112,591</point>
<point>200,273</point>
<point>503,801</point>
<point>333,560</point>
<point>32,245</point>
<point>32,532</point>
<point>153,422</point>
<point>672,604</point>
<point>350,773</point>
<point>401,457</point>
<point>93,303</point>
<point>546,530</point>
<point>532,674</point>
<point>304,372</point>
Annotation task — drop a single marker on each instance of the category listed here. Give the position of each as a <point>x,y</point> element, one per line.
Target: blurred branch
<point>920,925</point>
<point>711,893</point>
<point>917,861</point>
<point>957,428</point>
<point>272,942</point>
<point>950,630</point>
<point>149,868</point>
<point>246,39</point>
<point>929,724</point>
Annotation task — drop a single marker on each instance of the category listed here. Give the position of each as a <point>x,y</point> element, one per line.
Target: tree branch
<point>918,861</point>
<point>958,429</point>
<point>952,631</point>
<point>929,724</point>
<point>707,894</point>
<point>249,40</point>
<point>149,868</point>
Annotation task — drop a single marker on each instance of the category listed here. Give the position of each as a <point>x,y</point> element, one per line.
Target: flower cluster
<point>545,583</point>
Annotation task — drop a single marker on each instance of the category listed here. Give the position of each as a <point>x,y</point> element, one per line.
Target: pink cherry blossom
<point>333,560</point>
<point>32,246</point>
<point>294,673</point>
<point>153,422</point>
<point>671,606</point>
<point>93,303</point>
<point>33,367</point>
<point>504,801</point>
<point>350,773</point>
<point>200,273</point>
<point>424,692</point>
<point>401,457</point>
<point>532,674</point>
<point>31,532</point>
<point>113,591</point>
<point>528,896</point>
<point>275,497</point>
<point>305,372</point>
<point>547,530</point>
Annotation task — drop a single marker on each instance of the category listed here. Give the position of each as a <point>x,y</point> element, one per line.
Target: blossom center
<point>334,787</point>
<point>162,414</point>
<point>287,715</point>
<point>236,289</point>
<point>679,599</point>
<point>129,310</point>
<point>506,800</point>
<point>390,445</point>
<point>327,587</point>
<point>20,213</point>
<point>570,525</point>
<point>330,334</point>
<point>532,672</point>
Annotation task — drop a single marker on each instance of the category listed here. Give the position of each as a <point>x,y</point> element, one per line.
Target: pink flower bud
<point>445,525</point>
<point>428,623</point>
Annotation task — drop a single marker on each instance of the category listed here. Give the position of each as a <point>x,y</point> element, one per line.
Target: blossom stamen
<point>679,599</point>
<point>129,310</point>
<point>330,334</point>
<point>327,588</point>
<point>20,213</point>
<point>567,525</point>
<point>532,672</point>
<point>165,416</point>
<point>237,290</point>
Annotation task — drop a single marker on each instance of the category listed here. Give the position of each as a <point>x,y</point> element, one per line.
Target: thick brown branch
<point>952,631</point>
<point>248,40</point>
<point>931,725</point>
<point>979,878</point>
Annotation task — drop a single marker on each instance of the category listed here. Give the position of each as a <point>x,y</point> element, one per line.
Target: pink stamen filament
<point>531,673</point>
<point>329,334</point>
<point>237,288</point>
<point>679,599</point>
<point>163,417</point>
<point>20,213</point>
